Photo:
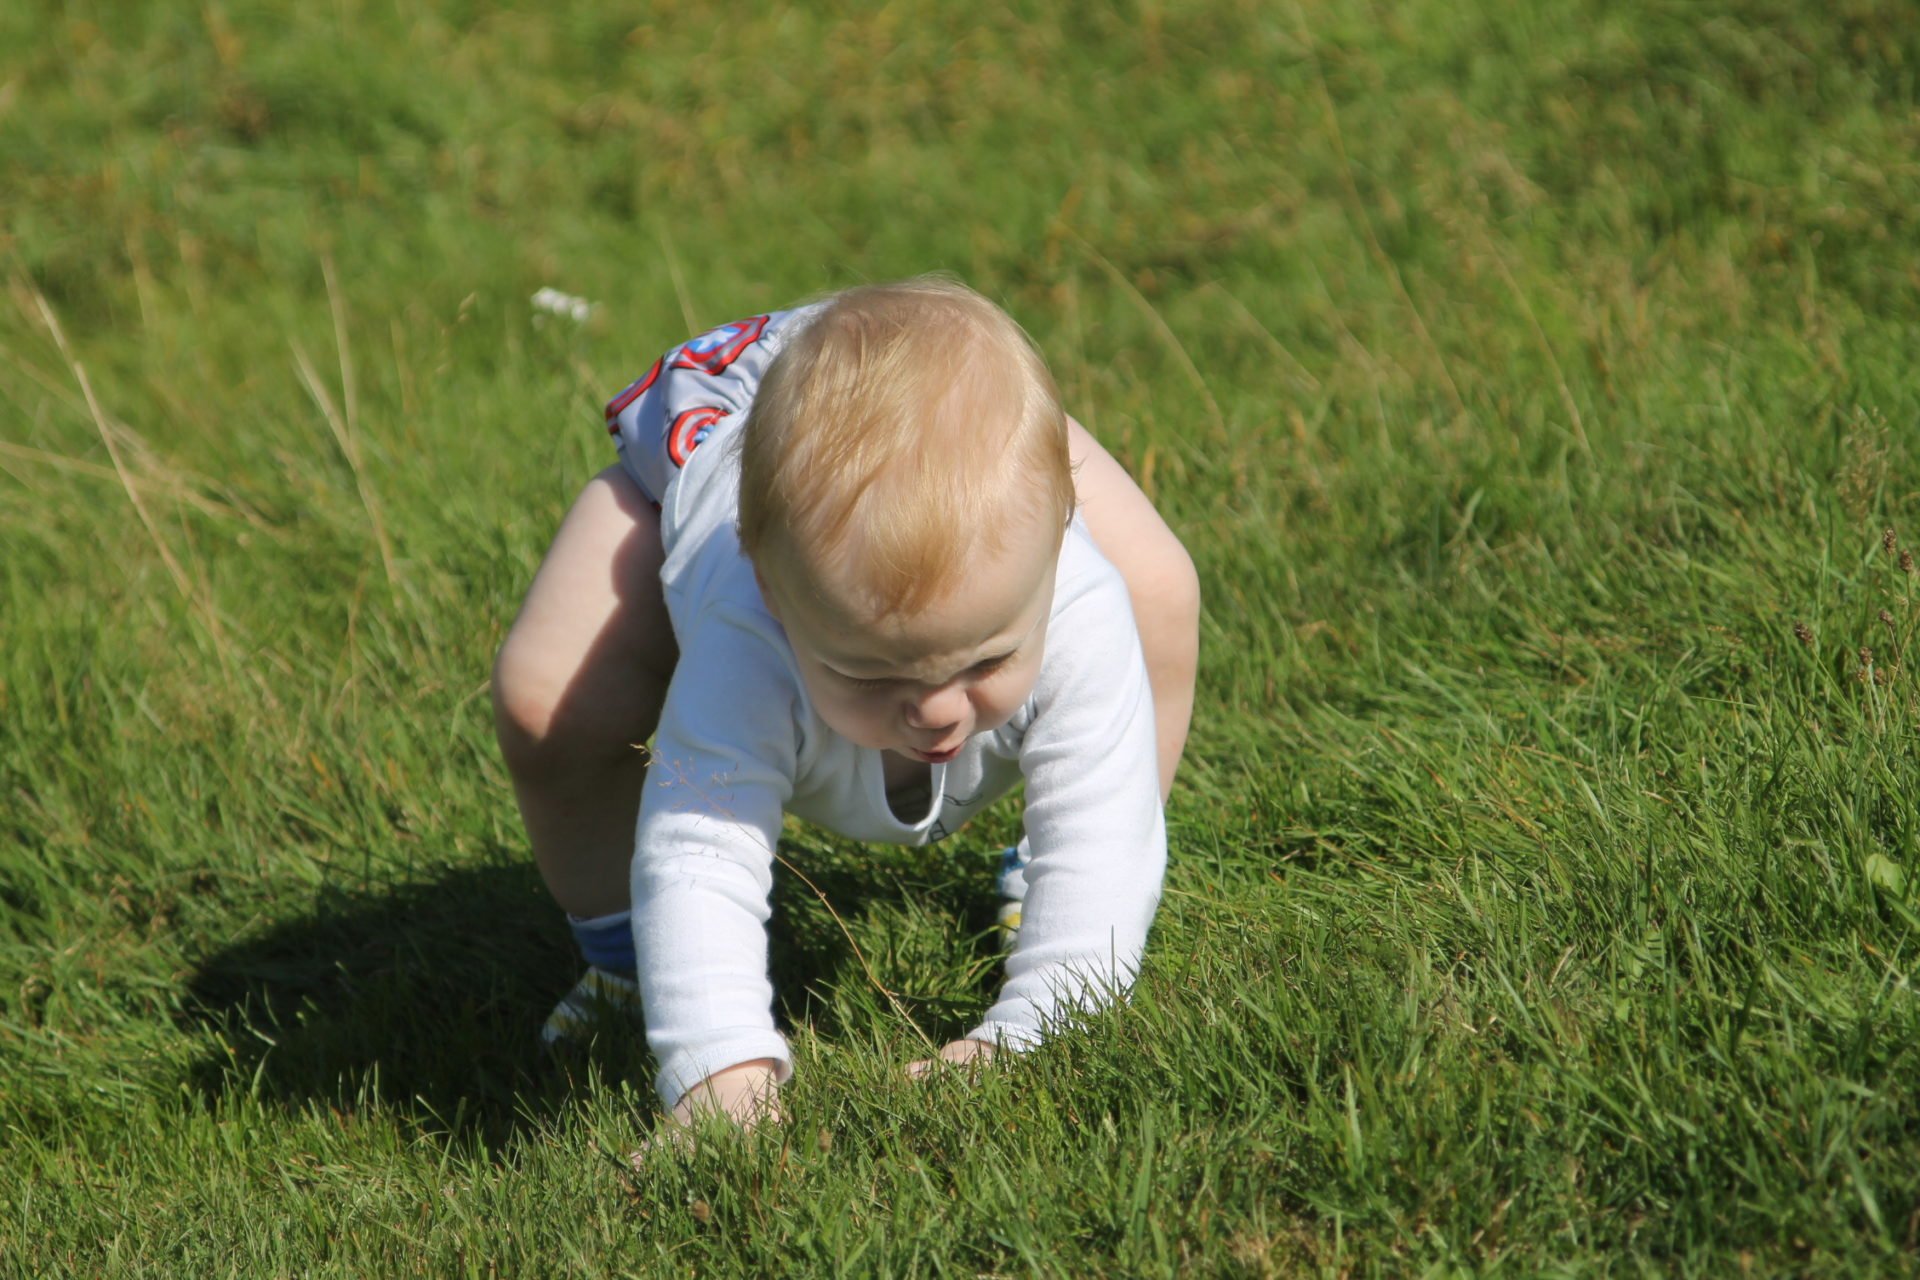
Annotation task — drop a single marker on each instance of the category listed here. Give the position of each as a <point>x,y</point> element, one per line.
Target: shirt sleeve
<point>1093,821</point>
<point>721,772</point>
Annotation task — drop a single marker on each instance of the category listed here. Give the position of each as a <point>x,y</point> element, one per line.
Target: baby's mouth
<point>936,757</point>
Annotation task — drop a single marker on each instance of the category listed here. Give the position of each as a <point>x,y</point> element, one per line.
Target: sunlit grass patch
<point>1533,390</point>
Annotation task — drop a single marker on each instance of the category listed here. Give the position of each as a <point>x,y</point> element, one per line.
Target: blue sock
<point>606,942</point>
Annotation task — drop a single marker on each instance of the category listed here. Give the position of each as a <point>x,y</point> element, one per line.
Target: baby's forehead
<point>1017,544</point>
<point>991,597</point>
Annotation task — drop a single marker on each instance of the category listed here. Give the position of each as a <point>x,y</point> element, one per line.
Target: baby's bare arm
<point>1161,584</point>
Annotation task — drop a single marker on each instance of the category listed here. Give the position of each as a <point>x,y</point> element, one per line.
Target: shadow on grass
<point>427,997</point>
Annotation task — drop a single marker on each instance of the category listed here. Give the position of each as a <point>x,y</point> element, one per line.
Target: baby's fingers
<point>668,1138</point>
<point>957,1053</point>
<point>675,1134</point>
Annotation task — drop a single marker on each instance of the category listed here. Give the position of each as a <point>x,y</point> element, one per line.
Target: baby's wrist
<point>756,1064</point>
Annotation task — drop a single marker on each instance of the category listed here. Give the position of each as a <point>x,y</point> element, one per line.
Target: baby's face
<point>922,685</point>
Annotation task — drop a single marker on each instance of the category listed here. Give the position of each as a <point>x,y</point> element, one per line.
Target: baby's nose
<point>938,708</point>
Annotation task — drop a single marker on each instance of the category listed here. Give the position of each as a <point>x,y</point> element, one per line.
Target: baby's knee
<point>526,708</point>
<point>554,719</point>
<point>548,723</point>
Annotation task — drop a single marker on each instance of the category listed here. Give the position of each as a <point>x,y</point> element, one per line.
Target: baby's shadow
<point>425,997</point>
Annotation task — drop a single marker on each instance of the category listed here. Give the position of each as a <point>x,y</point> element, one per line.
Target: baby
<point>850,567</point>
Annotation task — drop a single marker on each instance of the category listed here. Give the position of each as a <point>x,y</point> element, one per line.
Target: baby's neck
<point>900,771</point>
<point>909,784</point>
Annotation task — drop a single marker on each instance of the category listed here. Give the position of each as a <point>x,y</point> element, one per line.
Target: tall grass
<point>1532,388</point>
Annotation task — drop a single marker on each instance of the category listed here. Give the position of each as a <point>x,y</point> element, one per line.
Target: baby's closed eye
<point>978,671</point>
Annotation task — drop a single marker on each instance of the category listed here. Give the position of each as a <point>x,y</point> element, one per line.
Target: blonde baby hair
<point>906,426</point>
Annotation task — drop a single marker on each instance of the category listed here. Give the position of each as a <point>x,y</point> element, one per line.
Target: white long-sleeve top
<point>739,743</point>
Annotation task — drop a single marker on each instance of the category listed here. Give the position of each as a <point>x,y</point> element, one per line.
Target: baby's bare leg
<point>577,687</point>
<point>1160,581</point>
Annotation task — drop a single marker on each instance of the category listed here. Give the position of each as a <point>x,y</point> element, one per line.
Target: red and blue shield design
<point>715,349</point>
<point>619,403</point>
<point>689,429</point>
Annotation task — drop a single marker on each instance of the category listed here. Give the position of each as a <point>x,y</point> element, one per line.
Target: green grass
<point>1520,377</point>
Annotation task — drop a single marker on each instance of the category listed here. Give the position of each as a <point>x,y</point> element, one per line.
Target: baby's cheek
<point>853,719</point>
<point>999,701</point>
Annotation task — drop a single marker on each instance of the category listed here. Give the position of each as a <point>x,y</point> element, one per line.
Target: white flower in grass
<point>554,302</point>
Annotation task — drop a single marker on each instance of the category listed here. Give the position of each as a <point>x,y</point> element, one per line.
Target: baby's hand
<point>746,1093</point>
<point>960,1053</point>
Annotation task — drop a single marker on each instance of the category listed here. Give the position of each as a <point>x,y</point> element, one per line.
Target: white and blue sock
<point>609,986</point>
<point>1012,883</point>
<point>606,942</point>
